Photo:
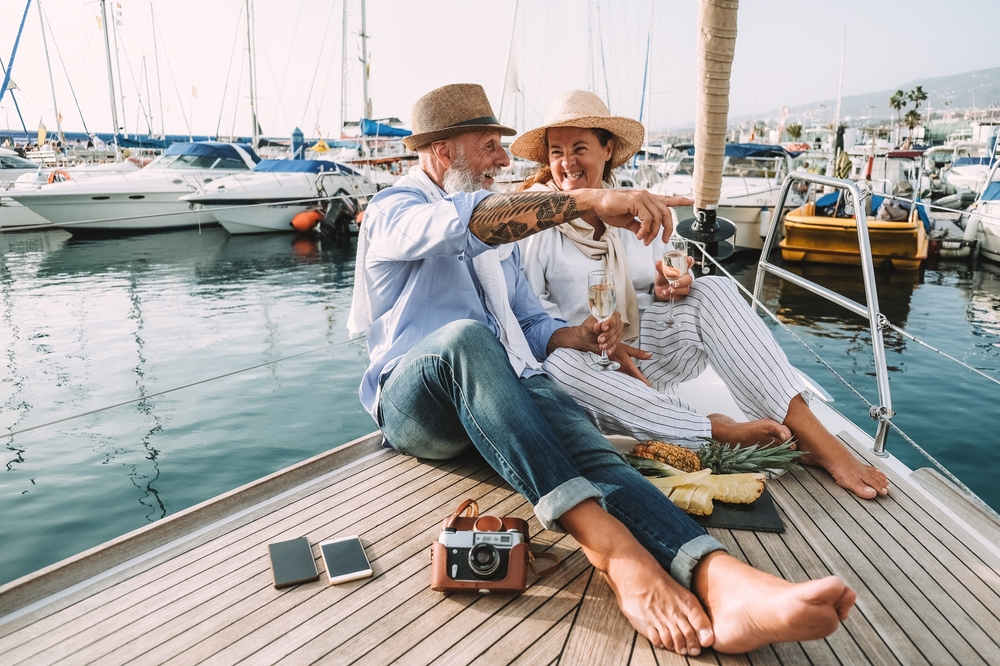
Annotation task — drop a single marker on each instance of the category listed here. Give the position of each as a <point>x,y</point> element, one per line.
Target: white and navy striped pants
<point>713,324</point>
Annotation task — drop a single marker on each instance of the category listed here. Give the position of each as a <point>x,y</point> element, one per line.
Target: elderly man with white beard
<point>456,335</point>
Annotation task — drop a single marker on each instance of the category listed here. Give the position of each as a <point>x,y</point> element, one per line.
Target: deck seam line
<point>41,603</point>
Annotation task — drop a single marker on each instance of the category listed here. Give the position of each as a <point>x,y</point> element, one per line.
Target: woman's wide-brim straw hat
<point>579,108</point>
<point>449,111</point>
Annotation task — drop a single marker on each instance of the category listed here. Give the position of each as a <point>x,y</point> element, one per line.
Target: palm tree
<point>917,95</point>
<point>794,131</point>
<point>912,119</point>
<point>898,102</point>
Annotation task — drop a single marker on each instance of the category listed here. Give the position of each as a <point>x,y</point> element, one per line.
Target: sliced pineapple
<point>692,499</point>
<point>682,479</point>
<point>736,488</point>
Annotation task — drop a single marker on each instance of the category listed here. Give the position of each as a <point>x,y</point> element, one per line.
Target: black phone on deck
<point>345,559</point>
<point>292,562</point>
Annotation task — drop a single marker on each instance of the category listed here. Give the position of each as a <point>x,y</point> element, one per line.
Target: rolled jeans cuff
<point>690,554</point>
<point>561,499</point>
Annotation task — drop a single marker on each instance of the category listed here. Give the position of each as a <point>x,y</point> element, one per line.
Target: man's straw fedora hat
<point>449,111</point>
<point>579,108</point>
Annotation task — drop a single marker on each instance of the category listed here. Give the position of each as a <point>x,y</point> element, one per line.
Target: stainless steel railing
<point>883,412</point>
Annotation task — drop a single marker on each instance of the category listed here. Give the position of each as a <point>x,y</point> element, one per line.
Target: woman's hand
<point>665,276</point>
<point>625,354</point>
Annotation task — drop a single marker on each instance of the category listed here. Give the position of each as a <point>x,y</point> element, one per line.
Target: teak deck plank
<point>926,595</point>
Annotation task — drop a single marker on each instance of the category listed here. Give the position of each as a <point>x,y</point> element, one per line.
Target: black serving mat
<point>758,516</point>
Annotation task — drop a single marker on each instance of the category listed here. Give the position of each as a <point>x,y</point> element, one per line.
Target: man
<point>455,336</point>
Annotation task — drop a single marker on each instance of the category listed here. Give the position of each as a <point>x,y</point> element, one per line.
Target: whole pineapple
<point>719,457</point>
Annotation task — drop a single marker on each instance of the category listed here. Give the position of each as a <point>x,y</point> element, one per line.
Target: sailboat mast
<point>840,85</point>
<point>118,66</point>
<point>343,71</point>
<point>111,81</point>
<point>364,61</point>
<point>156,59</point>
<point>52,83</point>
<point>506,67</point>
<point>250,53</point>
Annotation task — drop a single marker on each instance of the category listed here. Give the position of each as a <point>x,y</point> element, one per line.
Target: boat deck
<point>196,587</point>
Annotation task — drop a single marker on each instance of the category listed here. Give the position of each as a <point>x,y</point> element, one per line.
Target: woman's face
<point>576,157</point>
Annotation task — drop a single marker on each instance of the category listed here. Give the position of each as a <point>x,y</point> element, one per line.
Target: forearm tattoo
<point>505,218</point>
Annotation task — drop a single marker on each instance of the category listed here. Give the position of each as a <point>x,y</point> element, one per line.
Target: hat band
<point>485,120</point>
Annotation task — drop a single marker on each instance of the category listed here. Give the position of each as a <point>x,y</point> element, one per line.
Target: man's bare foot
<point>824,450</point>
<point>655,604</point>
<point>747,433</point>
<point>750,608</point>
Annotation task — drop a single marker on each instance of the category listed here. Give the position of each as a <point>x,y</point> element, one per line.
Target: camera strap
<point>470,509</point>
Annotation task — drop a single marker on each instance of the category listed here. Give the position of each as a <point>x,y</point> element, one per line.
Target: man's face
<point>476,158</point>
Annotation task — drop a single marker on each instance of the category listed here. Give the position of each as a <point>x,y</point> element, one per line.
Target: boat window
<point>162,162</point>
<point>972,151</point>
<point>14,162</point>
<point>194,162</point>
<point>686,167</point>
<point>751,167</point>
<point>231,163</point>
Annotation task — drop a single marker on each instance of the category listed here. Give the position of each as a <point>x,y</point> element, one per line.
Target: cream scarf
<point>608,248</point>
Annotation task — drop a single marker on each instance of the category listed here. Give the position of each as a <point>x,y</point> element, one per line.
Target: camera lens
<point>484,559</point>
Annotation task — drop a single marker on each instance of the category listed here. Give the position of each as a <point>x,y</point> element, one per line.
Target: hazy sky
<point>788,53</point>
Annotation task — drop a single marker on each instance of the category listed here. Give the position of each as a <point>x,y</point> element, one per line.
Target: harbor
<point>180,387</point>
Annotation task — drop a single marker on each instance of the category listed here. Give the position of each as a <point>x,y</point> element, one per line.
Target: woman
<point>579,146</point>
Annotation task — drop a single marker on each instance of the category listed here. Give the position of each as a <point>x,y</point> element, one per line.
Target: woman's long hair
<point>544,173</point>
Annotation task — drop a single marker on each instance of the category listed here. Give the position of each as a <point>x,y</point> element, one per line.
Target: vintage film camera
<point>483,553</point>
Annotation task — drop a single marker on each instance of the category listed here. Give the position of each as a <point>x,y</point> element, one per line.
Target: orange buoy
<point>306,220</point>
<point>58,176</point>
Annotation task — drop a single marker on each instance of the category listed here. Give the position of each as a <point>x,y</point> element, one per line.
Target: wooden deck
<point>196,587</point>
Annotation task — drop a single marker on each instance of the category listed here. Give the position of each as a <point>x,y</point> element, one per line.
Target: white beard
<point>460,178</point>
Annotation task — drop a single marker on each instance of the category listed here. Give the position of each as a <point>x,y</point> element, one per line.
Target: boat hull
<point>15,216</point>
<point>834,240</point>
<point>88,213</point>
<point>260,218</point>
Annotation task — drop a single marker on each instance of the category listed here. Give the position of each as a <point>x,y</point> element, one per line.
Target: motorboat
<point>822,231</point>
<point>19,174</point>
<point>268,198</point>
<point>751,178</point>
<point>983,222</point>
<point>144,201</point>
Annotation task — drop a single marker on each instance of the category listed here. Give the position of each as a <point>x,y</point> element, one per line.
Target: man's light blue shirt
<point>420,277</point>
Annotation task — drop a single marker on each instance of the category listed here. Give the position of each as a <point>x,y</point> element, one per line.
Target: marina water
<point>253,329</point>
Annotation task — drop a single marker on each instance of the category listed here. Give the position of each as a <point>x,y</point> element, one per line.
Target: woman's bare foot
<point>763,431</point>
<point>655,604</point>
<point>750,608</point>
<point>824,450</point>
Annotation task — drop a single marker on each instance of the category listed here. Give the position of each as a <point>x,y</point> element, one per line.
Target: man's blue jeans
<point>456,387</point>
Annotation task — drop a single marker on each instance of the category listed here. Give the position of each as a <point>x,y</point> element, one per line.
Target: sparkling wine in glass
<point>601,298</point>
<point>675,257</point>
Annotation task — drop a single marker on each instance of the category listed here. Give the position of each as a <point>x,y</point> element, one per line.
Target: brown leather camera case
<point>517,568</point>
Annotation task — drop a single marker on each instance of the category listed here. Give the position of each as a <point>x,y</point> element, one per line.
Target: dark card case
<point>292,562</point>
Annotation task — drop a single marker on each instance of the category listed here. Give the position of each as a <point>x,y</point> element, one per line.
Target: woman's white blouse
<point>557,271</point>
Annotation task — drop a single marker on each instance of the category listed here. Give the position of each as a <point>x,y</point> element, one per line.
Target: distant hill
<point>977,89</point>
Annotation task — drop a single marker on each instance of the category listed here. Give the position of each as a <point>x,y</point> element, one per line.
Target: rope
<point>176,388</point>
<point>941,468</point>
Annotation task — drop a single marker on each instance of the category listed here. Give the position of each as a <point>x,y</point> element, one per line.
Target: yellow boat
<point>834,240</point>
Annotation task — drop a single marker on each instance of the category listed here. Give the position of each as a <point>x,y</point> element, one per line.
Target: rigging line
<point>319,59</point>
<point>229,71</point>
<point>72,90</point>
<point>177,388</point>
<point>941,468</point>
<point>170,68</point>
<point>291,46</point>
<point>938,351</point>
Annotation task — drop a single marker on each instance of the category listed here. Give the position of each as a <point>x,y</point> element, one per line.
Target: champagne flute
<point>676,257</point>
<point>601,298</point>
